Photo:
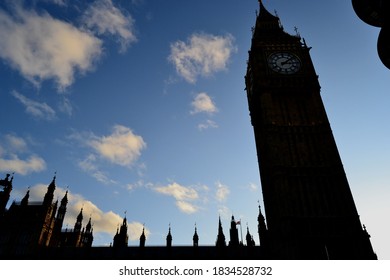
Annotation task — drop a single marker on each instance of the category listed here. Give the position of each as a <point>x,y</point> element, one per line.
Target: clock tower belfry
<point>309,208</point>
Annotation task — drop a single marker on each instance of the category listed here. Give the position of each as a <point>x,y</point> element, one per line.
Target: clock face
<point>284,63</point>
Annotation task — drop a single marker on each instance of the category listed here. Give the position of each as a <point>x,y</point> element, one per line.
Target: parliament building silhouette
<point>309,208</point>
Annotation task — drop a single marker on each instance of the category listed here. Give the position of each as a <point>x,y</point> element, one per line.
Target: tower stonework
<point>310,211</point>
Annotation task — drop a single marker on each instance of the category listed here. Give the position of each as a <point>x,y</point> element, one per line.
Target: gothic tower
<point>221,242</point>
<point>169,238</point>
<point>59,220</point>
<point>195,238</point>
<point>309,207</point>
<point>121,237</point>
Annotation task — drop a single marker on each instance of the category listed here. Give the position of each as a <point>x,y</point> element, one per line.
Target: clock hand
<point>286,62</point>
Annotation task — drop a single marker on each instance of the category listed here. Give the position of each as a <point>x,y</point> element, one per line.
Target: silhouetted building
<point>309,207</point>
<point>27,227</point>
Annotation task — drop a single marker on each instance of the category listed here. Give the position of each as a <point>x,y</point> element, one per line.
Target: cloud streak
<point>36,109</point>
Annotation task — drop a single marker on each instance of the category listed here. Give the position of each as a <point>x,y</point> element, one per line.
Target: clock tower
<point>310,211</point>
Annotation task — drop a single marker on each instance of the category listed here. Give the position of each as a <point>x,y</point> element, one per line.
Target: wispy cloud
<point>207,124</point>
<point>104,18</point>
<point>222,192</point>
<point>12,148</point>
<point>202,55</point>
<point>122,147</point>
<point>65,106</point>
<point>89,165</point>
<point>41,47</point>
<point>203,103</point>
<point>39,110</point>
<point>57,2</point>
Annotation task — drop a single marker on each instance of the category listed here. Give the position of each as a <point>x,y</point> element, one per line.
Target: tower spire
<point>24,201</point>
<point>79,220</point>
<point>195,238</point>
<point>142,239</point>
<point>169,237</point>
<point>48,199</point>
<point>221,237</point>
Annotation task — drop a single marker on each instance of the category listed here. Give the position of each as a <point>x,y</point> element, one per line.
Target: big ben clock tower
<point>309,207</point>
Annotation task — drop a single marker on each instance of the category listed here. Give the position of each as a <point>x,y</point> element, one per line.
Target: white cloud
<point>186,207</point>
<point>178,192</point>
<point>202,55</point>
<point>122,147</point>
<point>103,222</point>
<point>41,47</point>
<point>11,148</point>
<point>253,187</point>
<point>222,192</point>
<point>203,104</point>
<point>183,196</point>
<point>34,108</point>
<point>134,229</point>
<point>104,18</point>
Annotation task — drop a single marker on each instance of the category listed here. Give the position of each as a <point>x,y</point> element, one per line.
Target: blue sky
<point>139,107</point>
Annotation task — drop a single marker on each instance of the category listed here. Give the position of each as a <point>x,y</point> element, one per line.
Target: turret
<point>24,201</point>
<point>62,209</point>
<point>234,240</point>
<point>262,228</point>
<point>169,238</point>
<point>79,220</point>
<point>59,220</point>
<point>221,242</point>
<point>121,237</point>
<point>48,199</point>
<point>195,238</point>
<point>249,238</point>
<point>142,239</point>
<point>87,237</point>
